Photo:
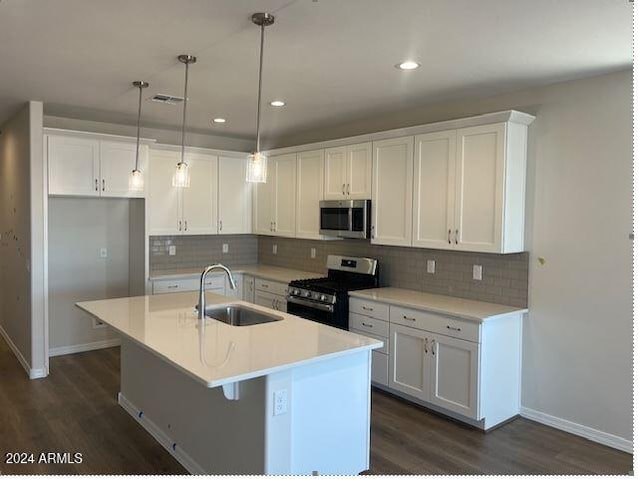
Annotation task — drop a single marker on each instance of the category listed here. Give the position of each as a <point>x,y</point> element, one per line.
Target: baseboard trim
<point>167,443</point>
<point>83,347</point>
<point>598,436</point>
<point>31,372</point>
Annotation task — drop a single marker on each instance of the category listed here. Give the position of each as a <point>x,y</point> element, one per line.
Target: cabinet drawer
<point>271,286</point>
<point>370,309</point>
<point>384,340</point>
<point>368,325</point>
<point>213,283</point>
<point>431,322</point>
<point>380,368</point>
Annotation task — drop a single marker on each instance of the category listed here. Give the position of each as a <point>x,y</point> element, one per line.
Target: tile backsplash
<point>198,251</point>
<point>504,277</point>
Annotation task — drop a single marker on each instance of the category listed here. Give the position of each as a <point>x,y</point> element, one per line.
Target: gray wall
<point>171,137</point>
<point>577,361</point>
<point>504,276</point>
<point>78,229</point>
<point>198,251</point>
<point>22,236</point>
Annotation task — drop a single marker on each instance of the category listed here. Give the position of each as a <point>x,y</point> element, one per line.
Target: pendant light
<point>182,177</point>
<point>136,179</point>
<point>257,162</point>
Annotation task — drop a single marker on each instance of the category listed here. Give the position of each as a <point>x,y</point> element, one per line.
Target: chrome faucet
<point>202,302</point>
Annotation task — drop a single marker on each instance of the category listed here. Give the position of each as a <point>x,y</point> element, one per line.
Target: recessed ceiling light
<point>219,120</point>
<point>408,65</point>
<point>277,103</point>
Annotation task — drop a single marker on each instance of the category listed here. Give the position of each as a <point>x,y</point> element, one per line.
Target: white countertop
<point>218,353</point>
<point>268,272</point>
<point>457,307</point>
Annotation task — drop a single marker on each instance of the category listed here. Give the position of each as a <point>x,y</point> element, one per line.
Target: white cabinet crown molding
<point>201,150</point>
<point>512,116</point>
<point>95,135</point>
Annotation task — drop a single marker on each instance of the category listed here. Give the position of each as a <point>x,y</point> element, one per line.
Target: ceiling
<point>331,60</point>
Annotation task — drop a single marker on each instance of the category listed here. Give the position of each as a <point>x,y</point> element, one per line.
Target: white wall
<point>22,302</point>
<point>577,363</point>
<point>171,137</point>
<point>78,229</point>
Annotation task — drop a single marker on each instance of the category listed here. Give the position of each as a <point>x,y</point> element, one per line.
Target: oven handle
<point>310,303</point>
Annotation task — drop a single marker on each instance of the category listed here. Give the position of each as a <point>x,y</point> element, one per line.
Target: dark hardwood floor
<point>75,410</point>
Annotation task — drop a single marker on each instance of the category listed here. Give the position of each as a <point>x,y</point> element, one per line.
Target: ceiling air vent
<point>167,99</point>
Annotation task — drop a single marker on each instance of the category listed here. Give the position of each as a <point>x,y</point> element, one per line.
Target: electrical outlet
<point>103,253</point>
<point>431,266</point>
<point>172,250</point>
<point>225,248</point>
<point>280,402</point>
<point>313,253</point>
<point>274,249</point>
<point>477,272</point>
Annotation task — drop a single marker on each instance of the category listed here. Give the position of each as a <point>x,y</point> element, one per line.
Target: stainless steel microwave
<point>345,218</point>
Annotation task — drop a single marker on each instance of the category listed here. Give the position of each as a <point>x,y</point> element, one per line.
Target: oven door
<point>318,312</point>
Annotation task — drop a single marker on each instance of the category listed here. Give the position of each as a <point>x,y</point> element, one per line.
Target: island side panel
<point>206,432</point>
<point>330,416</point>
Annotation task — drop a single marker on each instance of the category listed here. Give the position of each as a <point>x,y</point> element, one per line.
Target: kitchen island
<point>286,397</point>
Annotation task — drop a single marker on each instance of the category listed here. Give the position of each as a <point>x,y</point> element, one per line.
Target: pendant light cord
<point>259,88</point>
<point>138,129</point>
<point>184,108</point>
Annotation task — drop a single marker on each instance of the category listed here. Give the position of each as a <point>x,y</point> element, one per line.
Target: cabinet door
<point>117,160</point>
<point>408,361</point>
<point>284,195</point>
<point>199,200</point>
<point>74,166</point>
<point>162,203</point>
<point>480,156</point>
<point>234,196</point>
<point>248,288</point>
<point>359,171</point>
<point>335,173</point>
<point>434,189</point>
<point>454,375</point>
<point>265,299</point>
<point>309,193</point>
<point>391,216</point>
<point>263,202</point>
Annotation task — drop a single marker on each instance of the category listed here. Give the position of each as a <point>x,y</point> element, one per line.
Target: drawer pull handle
<point>433,347</point>
<point>408,318</point>
<point>368,309</point>
<point>367,325</point>
<point>454,328</point>
<point>264,286</point>
<point>172,286</point>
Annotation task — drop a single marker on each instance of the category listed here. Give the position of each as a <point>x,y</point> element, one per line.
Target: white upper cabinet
<point>199,200</point>
<point>434,189</point>
<point>284,207</point>
<point>480,174</point>
<point>234,196</point>
<point>117,161</point>
<point>92,167</point>
<point>275,200</point>
<point>309,193</point>
<point>392,213</point>
<point>164,212</point>
<point>347,172</point>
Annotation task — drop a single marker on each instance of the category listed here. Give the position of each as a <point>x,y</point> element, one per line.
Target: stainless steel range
<point>326,300</point>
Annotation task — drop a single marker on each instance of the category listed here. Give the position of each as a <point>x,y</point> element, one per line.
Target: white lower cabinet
<point>248,288</point>
<point>409,362</point>
<point>270,300</point>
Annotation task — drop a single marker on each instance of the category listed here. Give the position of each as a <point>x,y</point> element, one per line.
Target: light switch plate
<point>274,249</point>
<point>431,266</point>
<point>225,248</point>
<point>477,272</point>
<point>103,253</point>
<point>313,253</point>
<point>172,250</point>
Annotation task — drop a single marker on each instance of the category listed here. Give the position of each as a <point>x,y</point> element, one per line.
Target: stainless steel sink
<point>239,315</point>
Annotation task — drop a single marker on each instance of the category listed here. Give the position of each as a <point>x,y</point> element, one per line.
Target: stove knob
<point>323,298</point>
<point>316,296</point>
<point>307,294</point>
<point>296,291</point>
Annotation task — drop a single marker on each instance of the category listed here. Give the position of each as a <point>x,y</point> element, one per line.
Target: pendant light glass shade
<point>257,168</point>
<point>136,179</point>
<point>257,162</point>
<point>182,178</point>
